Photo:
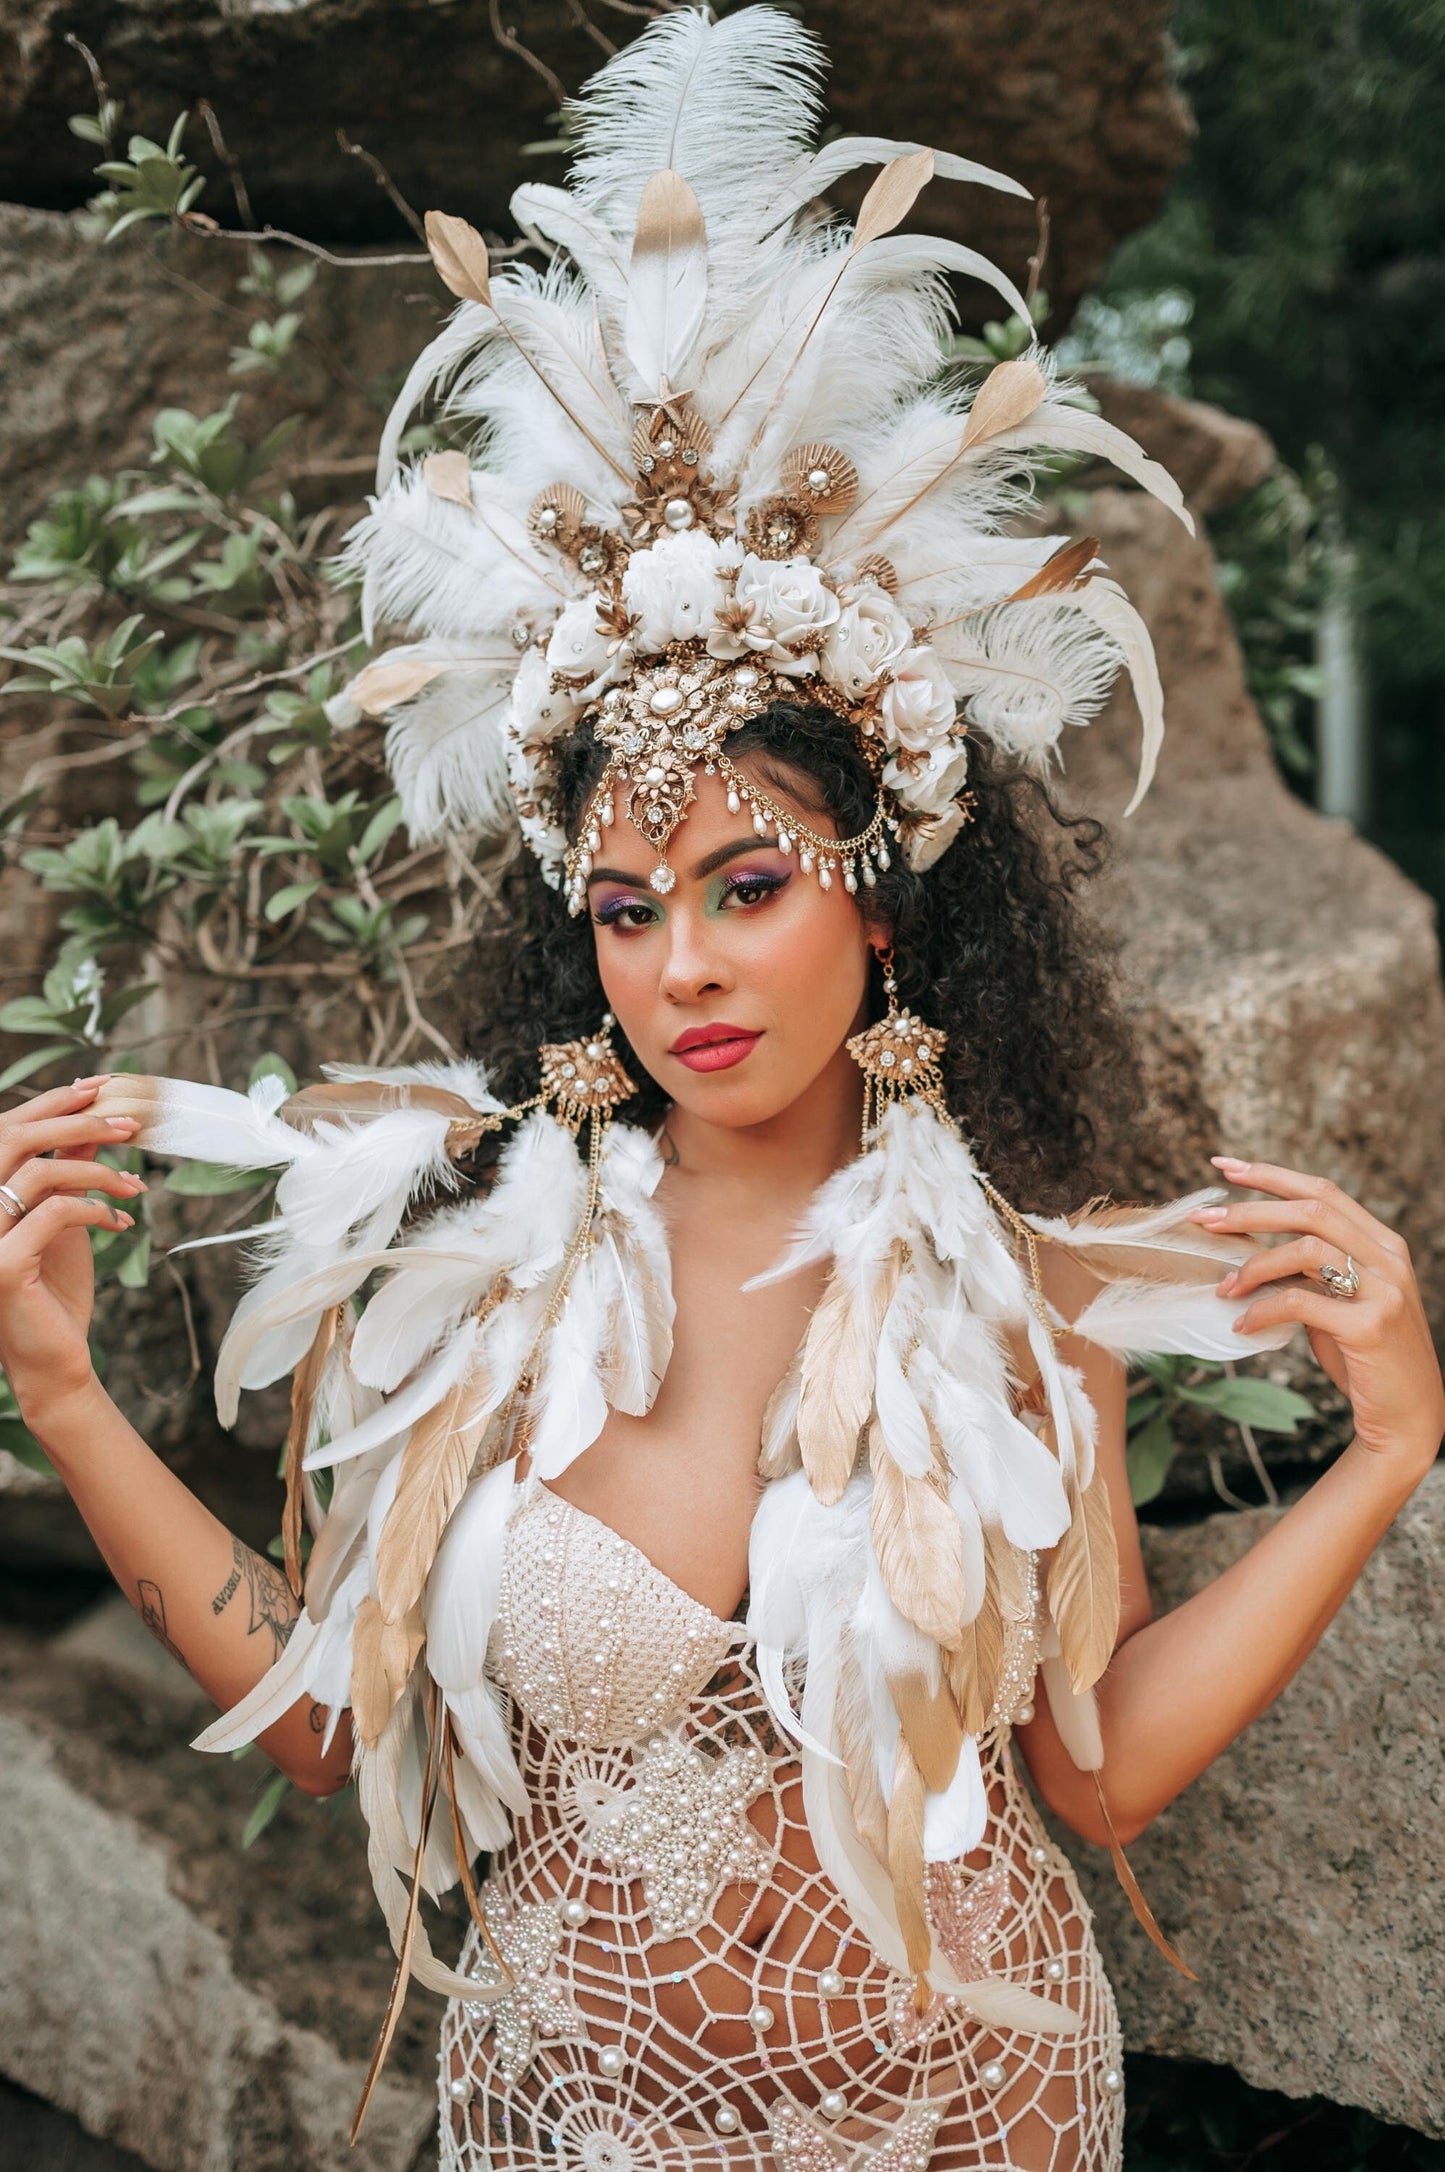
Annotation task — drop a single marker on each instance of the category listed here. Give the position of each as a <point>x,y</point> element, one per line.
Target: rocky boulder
<point>203,2009</point>
<point>1072,96</point>
<point>1301,1875</point>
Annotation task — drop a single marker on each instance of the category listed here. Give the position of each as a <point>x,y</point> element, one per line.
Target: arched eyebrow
<point>707,865</point>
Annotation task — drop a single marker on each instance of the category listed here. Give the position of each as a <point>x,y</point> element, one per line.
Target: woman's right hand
<point>47,1282</point>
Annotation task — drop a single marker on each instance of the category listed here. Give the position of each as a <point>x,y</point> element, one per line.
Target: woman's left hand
<point>1375,1346</point>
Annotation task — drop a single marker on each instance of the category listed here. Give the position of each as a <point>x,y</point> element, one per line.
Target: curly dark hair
<point>990,945</point>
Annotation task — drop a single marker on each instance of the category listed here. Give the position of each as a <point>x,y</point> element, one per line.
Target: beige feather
<point>460,256</point>
<point>383,1654</point>
<point>930,1724</point>
<point>975,1661</point>
<point>1066,569</point>
<point>407,1941</point>
<point>1083,1586</point>
<point>892,196</point>
<point>778,1452</point>
<point>387,683</point>
<point>919,1546</point>
<point>839,1362</point>
<point>305,1382</point>
<point>905,1861</point>
<point>855,1741</point>
<point>449,475</point>
<point>435,1467</point>
<point>1006,398</point>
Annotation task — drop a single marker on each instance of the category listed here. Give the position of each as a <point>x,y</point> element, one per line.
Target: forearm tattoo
<point>270,1608</point>
<point>153,1613</point>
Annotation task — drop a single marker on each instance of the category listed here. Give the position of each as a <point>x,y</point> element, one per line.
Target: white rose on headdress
<point>787,604</point>
<point>537,713</point>
<point>868,638</point>
<point>932,780</point>
<point>918,702</point>
<point>578,644</point>
<point>674,589</point>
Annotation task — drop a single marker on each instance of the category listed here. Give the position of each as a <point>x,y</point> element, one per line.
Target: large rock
<point>1072,96</point>
<point>207,2011</point>
<point>1301,1875</point>
<point>1284,976</point>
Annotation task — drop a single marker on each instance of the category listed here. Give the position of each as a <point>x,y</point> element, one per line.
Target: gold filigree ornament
<point>584,1078</point>
<point>900,1057</point>
<point>673,718</point>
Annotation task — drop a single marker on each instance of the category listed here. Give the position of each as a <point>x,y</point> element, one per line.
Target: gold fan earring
<point>900,1057</point>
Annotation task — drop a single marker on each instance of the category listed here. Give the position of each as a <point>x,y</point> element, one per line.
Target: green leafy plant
<point>1167,1386</point>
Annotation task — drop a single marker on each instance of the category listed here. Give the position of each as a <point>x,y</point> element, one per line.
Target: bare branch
<point>228,159</point>
<point>383,180</point>
<point>511,43</point>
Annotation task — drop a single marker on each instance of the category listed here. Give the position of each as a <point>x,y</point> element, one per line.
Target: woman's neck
<point>793,1152</point>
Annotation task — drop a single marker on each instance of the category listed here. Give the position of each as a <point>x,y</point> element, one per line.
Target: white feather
<point>956,1818</point>
<point>401,1411</point>
<point>1173,1319</point>
<point>464,1587</point>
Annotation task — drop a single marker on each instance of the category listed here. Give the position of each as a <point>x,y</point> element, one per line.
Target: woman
<point>703,1513</point>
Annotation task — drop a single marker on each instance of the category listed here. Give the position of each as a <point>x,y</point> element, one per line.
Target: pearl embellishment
<point>761,2018</point>
<point>725,2119</point>
<point>833,2104</point>
<point>831,1984</point>
<point>662,703</point>
<point>1112,2081</point>
<point>610,2060</point>
<point>1055,1971</point>
<point>459,2089</point>
<point>678,513</point>
<point>993,2074</point>
<point>575,1913</point>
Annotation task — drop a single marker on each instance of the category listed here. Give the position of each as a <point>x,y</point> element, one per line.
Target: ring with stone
<point>1341,1282</point>
<point>13,1204</point>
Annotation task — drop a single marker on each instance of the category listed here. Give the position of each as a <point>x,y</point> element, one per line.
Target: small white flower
<point>929,781</point>
<point>673,589</point>
<point>869,637</point>
<point>537,713</point>
<point>787,602</point>
<point>917,704</point>
<point>577,644</point>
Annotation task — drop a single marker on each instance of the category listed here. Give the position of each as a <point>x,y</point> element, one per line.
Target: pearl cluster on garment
<point>683,1831</point>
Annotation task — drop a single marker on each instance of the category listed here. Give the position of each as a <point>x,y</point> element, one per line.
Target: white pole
<point>1342,776</point>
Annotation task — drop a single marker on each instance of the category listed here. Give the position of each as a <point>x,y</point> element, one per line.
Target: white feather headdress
<point>713,458</point>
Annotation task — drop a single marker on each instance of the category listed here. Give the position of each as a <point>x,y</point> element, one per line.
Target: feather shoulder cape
<point>927,1438</point>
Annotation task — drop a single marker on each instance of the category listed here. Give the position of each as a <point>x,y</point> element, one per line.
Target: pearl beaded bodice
<point>687,1984</point>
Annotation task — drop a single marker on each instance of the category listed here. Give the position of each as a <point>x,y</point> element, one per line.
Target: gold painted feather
<point>383,1654</point>
<point>1006,398</point>
<point>435,1466</point>
<point>855,1741</point>
<point>838,1367</point>
<point>919,1546</point>
<point>905,1861</point>
<point>930,1723</point>
<point>305,1382</point>
<point>974,1663</point>
<point>1083,1586</point>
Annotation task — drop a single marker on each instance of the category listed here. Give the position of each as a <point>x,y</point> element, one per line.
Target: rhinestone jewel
<point>799,2146</point>
<point>683,1830</point>
<point>535,2006</point>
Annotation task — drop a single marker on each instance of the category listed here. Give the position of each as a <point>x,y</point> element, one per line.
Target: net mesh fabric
<point>689,1987</point>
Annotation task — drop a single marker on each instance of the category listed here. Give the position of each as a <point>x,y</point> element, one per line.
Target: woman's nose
<point>693,965</point>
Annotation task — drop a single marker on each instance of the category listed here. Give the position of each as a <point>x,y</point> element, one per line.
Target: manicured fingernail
<point>122,1221</point>
<point>1224,1287</point>
<point>96,1078</point>
<point>1208,1214</point>
<point>1227,1161</point>
<point>1240,1326</point>
<point>122,1123</point>
<point>136,1184</point>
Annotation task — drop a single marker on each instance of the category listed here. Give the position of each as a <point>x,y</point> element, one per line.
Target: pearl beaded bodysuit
<point>689,1987</point>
